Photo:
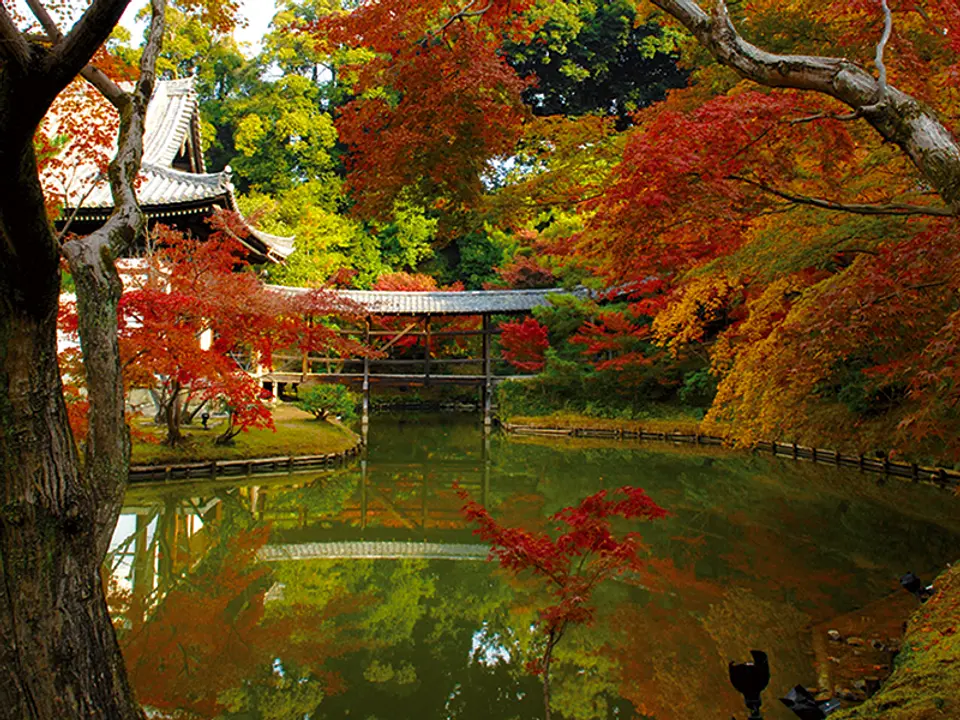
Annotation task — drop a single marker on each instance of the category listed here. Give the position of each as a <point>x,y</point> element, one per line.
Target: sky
<point>257,13</point>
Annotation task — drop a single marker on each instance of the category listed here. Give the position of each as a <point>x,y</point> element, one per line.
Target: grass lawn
<point>297,433</point>
<point>926,681</point>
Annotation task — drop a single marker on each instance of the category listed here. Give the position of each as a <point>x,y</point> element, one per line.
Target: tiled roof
<point>163,188</point>
<point>168,121</point>
<point>476,302</point>
<point>166,186</point>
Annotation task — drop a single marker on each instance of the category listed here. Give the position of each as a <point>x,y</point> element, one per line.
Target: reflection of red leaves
<point>183,656</point>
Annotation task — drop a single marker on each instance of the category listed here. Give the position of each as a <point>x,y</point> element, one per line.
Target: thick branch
<point>855,208</point>
<point>107,87</point>
<point>46,21</point>
<point>13,46</point>
<point>898,117</point>
<point>73,52</point>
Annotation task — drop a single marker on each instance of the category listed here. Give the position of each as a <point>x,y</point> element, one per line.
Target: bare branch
<point>148,60</point>
<point>887,29</point>
<point>911,288</point>
<point>465,12</point>
<point>66,228</point>
<point>13,45</point>
<point>107,87</point>
<point>898,209</point>
<point>48,24</point>
<point>855,115</point>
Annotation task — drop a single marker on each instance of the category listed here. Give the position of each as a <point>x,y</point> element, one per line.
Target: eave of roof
<point>476,302</point>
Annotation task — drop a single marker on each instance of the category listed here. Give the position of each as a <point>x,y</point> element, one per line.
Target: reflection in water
<point>361,592</point>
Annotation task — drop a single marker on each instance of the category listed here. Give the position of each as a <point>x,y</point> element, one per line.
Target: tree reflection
<point>752,554</point>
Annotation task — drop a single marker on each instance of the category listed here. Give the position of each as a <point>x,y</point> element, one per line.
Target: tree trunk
<point>59,656</point>
<point>171,416</point>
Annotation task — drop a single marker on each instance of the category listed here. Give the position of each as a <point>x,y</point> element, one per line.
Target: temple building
<point>175,188</point>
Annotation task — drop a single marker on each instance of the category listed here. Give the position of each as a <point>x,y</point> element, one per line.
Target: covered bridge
<point>426,338</point>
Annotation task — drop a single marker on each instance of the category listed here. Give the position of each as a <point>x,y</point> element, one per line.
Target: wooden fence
<point>237,468</point>
<point>910,471</point>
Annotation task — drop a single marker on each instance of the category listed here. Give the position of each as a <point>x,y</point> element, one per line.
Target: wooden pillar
<point>487,375</point>
<point>423,501</point>
<point>426,350</point>
<point>365,417</point>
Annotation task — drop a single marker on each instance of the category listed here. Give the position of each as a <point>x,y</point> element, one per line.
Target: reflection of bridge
<point>389,510</point>
<point>414,314</point>
<point>374,551</point>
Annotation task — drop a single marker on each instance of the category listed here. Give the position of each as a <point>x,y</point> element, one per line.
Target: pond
<point>362,592</point>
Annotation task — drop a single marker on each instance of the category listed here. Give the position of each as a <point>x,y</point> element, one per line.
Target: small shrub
<point>322,401</point>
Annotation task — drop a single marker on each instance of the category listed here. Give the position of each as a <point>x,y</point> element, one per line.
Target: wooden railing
<point>215,469</point>
<point>911,471</point>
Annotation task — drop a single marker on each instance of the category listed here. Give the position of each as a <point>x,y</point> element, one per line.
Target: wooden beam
<point>487,375</point>
<point>390,344</point>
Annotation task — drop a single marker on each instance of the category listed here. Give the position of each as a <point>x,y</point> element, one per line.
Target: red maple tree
<point>584,552</point>
<point>194,323</point>
<point>524,344</point>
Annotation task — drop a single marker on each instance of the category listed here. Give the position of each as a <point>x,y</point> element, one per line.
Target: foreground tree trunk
<point>59,657</point>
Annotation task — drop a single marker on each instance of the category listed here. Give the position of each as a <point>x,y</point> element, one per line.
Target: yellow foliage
<point>701,302</point>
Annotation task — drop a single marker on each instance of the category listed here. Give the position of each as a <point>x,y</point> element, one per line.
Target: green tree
<point>594,57</point>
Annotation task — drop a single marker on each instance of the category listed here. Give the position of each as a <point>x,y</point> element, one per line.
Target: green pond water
<point>362,592</point>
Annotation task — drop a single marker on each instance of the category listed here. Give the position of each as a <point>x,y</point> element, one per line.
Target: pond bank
<point>297,434</point>
<point>926,679</point>
<point>674,432</point>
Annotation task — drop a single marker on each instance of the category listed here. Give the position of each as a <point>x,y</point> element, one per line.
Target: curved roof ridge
<point>168,120</point>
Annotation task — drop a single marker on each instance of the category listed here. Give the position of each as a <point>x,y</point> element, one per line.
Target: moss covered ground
<point>925,683</point>
<point>297,433</point>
